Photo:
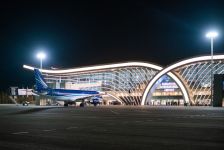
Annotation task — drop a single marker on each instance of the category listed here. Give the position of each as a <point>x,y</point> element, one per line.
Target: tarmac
<point>111,127</point>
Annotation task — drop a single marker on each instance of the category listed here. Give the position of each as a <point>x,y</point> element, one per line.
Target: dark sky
<point>79,33</point>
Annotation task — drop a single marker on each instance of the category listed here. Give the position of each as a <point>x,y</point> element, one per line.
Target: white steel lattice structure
<point>194,73</point>
<point>133,83</point>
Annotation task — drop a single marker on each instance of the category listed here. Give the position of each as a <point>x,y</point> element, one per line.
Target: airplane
<point>65,95</point>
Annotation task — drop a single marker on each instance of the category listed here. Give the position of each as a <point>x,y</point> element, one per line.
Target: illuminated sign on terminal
<point>168,85</point>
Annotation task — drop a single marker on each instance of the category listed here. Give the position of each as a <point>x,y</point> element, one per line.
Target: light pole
<point>211,35</point>
<point>41,56</point>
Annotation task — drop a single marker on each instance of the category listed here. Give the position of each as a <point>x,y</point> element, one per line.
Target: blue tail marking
<point>40,83</point>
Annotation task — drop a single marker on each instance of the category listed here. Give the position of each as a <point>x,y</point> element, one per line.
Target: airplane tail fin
<point>39,81</point>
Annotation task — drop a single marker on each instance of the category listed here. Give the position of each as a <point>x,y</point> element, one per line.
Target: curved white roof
<point>174,66</point>
<point>98,67</point>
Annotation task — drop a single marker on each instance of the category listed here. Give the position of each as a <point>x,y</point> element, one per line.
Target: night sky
<point>80,33</point>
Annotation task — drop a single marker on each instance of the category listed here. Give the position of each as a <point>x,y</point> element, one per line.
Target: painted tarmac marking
<point>71,128</point>
<point>149,120</point>
<point>116,113</point>
<point>20,132</point>
<point>49,130</point>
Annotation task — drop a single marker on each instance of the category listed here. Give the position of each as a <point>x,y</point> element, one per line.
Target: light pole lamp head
<point>41,55</point>
<point>212,34</point>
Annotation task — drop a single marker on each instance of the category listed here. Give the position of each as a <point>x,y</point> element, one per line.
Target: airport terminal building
<point>143,83</point>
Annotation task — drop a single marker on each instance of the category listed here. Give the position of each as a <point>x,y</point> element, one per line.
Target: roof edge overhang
<point>98,67</point>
